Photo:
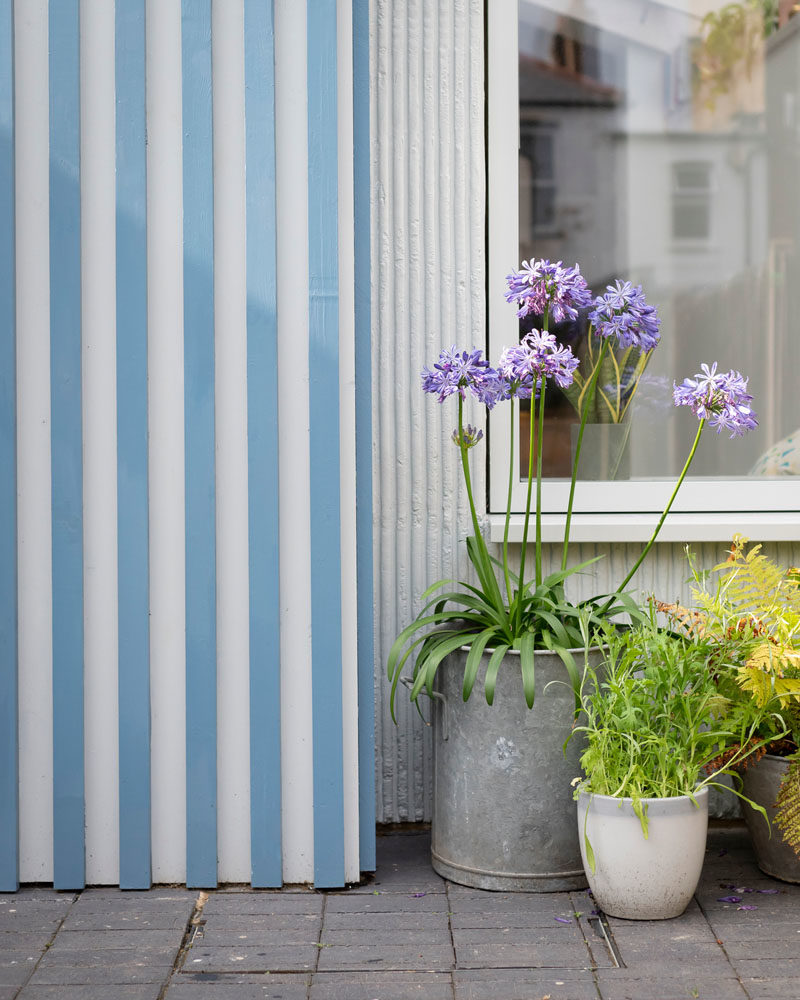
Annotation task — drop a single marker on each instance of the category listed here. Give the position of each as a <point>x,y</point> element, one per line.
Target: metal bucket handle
<point>409,683</point>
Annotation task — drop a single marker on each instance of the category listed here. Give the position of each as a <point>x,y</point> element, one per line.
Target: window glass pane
<point>659,144</point>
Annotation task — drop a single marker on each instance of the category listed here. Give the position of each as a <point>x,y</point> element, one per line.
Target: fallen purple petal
<point>563,920</point>
<point>769,892</point>
<point>742,888</point>
<point>723,852</point>
<point>595,913</point>
<point>746,907</point>
<point>417,895</point>
<point>729,899</point>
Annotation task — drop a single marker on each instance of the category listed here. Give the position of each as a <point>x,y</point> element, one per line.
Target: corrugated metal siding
<point>429,280</point>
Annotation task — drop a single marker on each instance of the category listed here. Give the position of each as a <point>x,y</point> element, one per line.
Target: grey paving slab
<point>263,903</point>
<point>140,918</point>
<point>780,968</point>
<point>278,958</point>
<point>386,902</point>
<point>662,987</point>
<point>246,922</point>
<point>662,960</point>
<point>772,988</point>
<point>258,937</point>
<point>143,940</point>
<point>389,920</point>
<point>381,986</point>
<point>265,987</point>
<point>110,974</point>
<point>379,957</point>
<point>26,939</point>
<point>342,937</point>
<point>412,879</point>
<point>17,966</point>
<point>524,984</point>
<point>524,956</point>
<point>9,992</point>
<point>144,991</point>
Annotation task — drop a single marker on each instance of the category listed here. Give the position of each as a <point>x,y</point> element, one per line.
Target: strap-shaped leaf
<point>426,671</point>
<point>474,657</point>
<point>491,670</point>
<point>526,659</point>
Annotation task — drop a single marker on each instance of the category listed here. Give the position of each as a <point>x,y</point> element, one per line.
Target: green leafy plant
<point>747,609</point>
<point>655,720</point>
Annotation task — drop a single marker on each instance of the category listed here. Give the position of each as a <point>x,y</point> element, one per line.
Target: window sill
<point>776,526</point>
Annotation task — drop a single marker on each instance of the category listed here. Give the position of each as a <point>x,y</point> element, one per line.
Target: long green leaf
<point>491,671</point>
<point>426,672</point>
<point>474,660</point>
<point>527,645</point>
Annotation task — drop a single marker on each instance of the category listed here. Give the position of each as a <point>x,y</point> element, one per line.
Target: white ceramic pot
<point>638,878</point>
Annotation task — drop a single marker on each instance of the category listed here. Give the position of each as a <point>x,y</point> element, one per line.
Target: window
<point>691,200</point>
<point>639,145</point>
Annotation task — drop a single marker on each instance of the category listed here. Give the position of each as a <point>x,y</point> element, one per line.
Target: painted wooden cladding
<point>9,715</point>
<point>179,360</point>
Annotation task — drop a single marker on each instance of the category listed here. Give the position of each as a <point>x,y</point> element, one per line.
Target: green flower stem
<point>509,595</point>
<point>521,588</point>
<point>540,448</point>
<point>584,415</point>
<point>621,451</point>
<point>489,583</point>
<point>465,465</point>
<point>653,537</point>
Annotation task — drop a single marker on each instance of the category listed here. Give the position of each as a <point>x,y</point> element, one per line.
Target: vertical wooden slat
<point>363,366</point>
<point>9,727</point>
<point>66,445</point>
<point>323,366</point>
<point>132,481</point>
<point>262,437</point>
<point>198,327</point>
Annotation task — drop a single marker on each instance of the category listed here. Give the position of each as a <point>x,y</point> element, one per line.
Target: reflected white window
<point>691,200</point>
<point>658,143</point>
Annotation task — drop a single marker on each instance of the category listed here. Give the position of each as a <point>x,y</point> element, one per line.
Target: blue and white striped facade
<point>186,612</point>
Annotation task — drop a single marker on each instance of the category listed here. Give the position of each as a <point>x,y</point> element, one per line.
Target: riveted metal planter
<point>774,856</point>
<point>503,811</point>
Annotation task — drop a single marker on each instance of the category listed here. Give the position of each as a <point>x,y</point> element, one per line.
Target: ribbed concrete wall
<point>429,292</point>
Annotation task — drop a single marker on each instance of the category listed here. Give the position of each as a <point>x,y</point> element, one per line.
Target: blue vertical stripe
<point>262,445</point>
<point>198,334</point>
<point>363,362</point>
<point>323,364</point>
<point>132,506</point>
<point>66,445</point>
<point>9,729</point>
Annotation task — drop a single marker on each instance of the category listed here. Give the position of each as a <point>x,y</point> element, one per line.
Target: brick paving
<point>405,934</point>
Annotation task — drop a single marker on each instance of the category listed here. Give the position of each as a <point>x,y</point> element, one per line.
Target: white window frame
<point>705,509</point>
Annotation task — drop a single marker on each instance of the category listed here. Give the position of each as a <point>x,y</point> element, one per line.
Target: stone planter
<point>638,879</point>
<point>503,811</point>
<point>774,856</point>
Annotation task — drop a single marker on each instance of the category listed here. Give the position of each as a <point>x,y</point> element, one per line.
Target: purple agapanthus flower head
<point>469,436</point>
<point>542,287</point>
<point>538,356</point>
<point>458,371</point>
<point>721,398</point>
<point>623,313</point>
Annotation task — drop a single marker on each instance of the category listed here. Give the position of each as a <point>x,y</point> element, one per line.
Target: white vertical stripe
<point>295,571</point>
<point>98,280</point>
<point>165,347</point>
<point>230,303</point>
<point>33,444</point>
<point>347,431</point>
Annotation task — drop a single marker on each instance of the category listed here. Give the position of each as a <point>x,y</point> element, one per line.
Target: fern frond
<point>693,624</point>
<point>787,817</point>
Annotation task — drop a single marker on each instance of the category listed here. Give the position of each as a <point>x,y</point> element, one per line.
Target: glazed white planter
<point>638,879</point>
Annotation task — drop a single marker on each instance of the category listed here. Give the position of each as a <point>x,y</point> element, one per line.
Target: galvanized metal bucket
<point>503,808</point>
<point>762,782</point>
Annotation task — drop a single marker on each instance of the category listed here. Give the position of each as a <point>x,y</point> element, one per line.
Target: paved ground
<point>406,934</point>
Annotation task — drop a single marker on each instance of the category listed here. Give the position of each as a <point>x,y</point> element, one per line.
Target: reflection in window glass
<point>660,143</point>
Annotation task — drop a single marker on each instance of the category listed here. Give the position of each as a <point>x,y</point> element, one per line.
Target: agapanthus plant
<point>506,611</point>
